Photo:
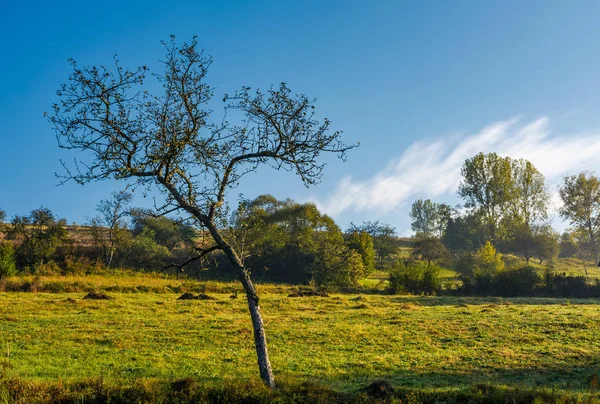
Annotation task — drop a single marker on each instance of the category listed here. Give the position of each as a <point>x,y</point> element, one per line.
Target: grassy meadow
<point>432,349</point>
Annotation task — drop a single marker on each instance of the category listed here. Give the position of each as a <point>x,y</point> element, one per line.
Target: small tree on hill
<point>40,234</point>
<point>109,228</point>
<point>547,246</point>
<point>429,249</point>
<point>168,141</point>
<point>568,245</point>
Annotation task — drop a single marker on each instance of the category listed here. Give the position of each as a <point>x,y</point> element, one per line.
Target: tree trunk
<point>109,257</point>
<point>260,337</point>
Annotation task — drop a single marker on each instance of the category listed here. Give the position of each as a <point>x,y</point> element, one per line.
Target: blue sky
<point>422,85</point>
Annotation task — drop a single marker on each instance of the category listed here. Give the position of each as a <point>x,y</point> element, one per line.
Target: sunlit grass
<point>344,341</point>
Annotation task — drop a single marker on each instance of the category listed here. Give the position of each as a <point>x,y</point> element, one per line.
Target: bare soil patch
<point>97,296</point>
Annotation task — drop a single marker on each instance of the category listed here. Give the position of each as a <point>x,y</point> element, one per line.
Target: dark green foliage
<point>168,232</point>
<point>464,233</point>
<point>517,282</point>
<point>414,277</point>
<point>465,264</point>
<point>285,241</point>
<point>526,281</point>
<point>143,250</point>
<point>39,233</point>
<point>8,260</point>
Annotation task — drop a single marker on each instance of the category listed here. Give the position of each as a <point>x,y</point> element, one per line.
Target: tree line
<point>278,241</point>
<point>506,210</point>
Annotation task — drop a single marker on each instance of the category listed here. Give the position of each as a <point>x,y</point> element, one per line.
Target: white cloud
<point>432,169</point>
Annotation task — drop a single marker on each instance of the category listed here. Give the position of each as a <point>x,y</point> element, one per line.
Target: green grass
<point>429,345</point>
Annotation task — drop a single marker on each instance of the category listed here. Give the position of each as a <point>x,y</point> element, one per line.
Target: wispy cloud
<point>431,169</point>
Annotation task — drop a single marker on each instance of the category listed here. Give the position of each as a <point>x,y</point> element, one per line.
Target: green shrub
<point>8,260</point>
<point>414,277</point>
<point>517,282</point>
<point>488,261</point>
<point>465,264</point>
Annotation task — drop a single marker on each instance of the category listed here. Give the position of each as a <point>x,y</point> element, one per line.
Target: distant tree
<point>252,230</point>
<point>430,218</point>
<point>524,241</point>
<point>297,243</point>
<point>423,214</point>
<point>530,202</point>
<point>362,243</point>
<point>428,249</point>
<point>464,233</point>
<point>487,188</point>
<point>384,237</point>
<point>143,249</point>
<point>568,245</point>
<point>527,210</point>
<point>109,227</point>
<point>546,244</point>
<point>169,141</point>
<point>168,232</point>
<point>40,234</point>
<point>580,195</point>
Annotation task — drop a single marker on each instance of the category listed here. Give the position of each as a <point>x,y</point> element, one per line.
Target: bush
<point>517,282</point>
<point>563,285</point>
<point>8,260</point>
<point>465,264</point>
<point>337,266</point>
<point>414,277</point>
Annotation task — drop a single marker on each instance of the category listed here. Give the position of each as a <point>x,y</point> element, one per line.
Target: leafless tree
<point>109,227</point>
<point>168,141</point>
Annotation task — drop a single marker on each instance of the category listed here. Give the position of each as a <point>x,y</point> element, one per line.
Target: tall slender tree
<point>168,141</point>
<point>530,198</point>
<point>487,188</point>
